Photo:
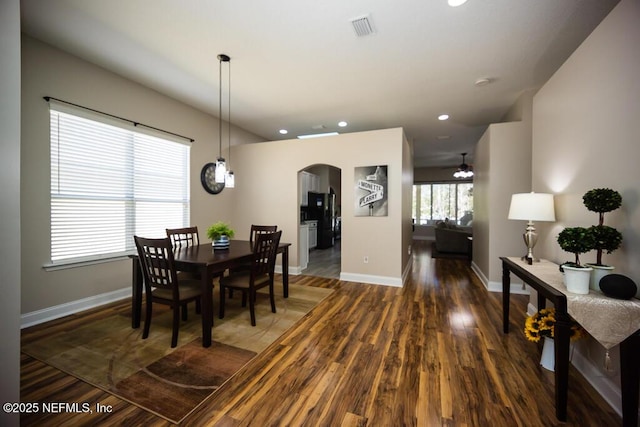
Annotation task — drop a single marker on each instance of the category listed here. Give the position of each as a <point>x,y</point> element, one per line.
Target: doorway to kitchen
<point>320,220</point>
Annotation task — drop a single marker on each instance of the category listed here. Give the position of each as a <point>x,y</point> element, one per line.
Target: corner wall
<point>10,208</point>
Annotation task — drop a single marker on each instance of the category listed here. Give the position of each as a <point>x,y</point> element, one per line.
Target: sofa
<point>451,239</point>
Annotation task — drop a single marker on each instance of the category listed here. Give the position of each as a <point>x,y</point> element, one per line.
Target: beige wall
<point>47,71</point>
<point>10,207</point>
<point>267,191</point>
<point>586,127</point>
<point>502,167</point>
<point>585,135</point>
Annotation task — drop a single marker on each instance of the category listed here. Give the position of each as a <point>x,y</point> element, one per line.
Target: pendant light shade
<point>221,166</point>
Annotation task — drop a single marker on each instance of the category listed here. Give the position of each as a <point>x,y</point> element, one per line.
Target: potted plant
<point>602,200</point>
<point>220,233</point>
<point>576,240</point>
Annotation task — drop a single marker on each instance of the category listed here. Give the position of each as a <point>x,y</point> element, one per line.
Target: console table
<point>609,321</point>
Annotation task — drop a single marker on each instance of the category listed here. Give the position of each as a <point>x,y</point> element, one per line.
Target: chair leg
<point>147,318</point>
<point>176,325</point>
<point>252,306</point>
<point>244,298</point>
<point>184,312</point>
<point>272,298</point>
<point>221,311</point>
<point>198,306</point>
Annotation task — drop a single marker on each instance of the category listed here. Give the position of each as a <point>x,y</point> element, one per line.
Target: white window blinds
<point>109,183</point>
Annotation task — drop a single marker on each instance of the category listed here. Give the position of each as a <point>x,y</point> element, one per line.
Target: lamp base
<point>530,238</point>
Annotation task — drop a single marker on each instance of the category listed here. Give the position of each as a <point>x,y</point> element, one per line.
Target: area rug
<point>171,383</point>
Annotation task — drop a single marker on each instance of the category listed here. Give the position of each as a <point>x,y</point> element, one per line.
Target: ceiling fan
<point>464,170</point>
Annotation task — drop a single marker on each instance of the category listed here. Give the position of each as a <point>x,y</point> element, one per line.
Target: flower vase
<point>548,358</point>
<point>221,243</point>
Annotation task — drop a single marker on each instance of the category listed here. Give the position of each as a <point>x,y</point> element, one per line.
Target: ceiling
<point>299,65</point>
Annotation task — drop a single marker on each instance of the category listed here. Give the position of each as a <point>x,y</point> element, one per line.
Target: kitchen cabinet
<point>313,233</point>
<point>304,246</point>
<point>307,182</point>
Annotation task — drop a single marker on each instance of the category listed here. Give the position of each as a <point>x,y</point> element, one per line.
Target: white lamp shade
<point>532,207</point>
<point>230,180</point>
<point>221,170</point>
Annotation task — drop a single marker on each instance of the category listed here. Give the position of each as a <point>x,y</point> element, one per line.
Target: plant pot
<point>599,271</point>
<point>548,357</point>
<point>576,279</point>
<point>221,243</point>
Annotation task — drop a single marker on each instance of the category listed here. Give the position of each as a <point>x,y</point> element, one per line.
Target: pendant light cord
<point>229,118</point>
<point>220,107</point>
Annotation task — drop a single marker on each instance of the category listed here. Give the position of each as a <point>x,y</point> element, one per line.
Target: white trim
<point>407,271</point>
<point>57,311</point>
<point>609,391</point>
<point>516,288</point>
<point>373,280</point>
<point>294,271</point>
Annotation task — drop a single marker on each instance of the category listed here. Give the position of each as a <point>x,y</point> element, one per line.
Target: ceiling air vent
<point>362,25</point>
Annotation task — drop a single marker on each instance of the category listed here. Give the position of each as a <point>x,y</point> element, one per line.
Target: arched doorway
<point>320,197</point>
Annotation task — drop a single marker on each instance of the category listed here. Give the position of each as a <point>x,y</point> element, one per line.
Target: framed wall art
<point>371,191</point>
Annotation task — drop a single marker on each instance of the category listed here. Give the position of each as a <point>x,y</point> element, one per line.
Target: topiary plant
<point>576,240</point>
<point>602,200</point>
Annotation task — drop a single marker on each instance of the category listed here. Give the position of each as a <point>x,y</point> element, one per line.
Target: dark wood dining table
<point>208,263</point>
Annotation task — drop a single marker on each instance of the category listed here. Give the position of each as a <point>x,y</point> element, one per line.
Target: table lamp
<point>531,207</point>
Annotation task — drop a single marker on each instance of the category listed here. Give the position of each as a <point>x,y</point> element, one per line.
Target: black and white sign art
<point>371,191</point>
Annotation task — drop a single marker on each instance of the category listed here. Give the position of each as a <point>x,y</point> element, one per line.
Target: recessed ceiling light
<point>443,117</point>
<point>317,135</point>
<point>456,3</point>
<point>482,82</point>
<point>283,131</point>
<point>342,124</point>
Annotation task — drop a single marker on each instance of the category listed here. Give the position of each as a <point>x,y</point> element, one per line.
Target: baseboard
<point>373,280</point>
<point>57,311</point>
<point>407,271</point>
<point>294,271</point>
<point>516,288</point>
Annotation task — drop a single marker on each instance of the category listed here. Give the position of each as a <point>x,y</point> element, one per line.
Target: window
<point>109,182</point>
<point>436,202</point>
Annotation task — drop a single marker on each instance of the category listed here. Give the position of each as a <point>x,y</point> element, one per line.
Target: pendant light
<point>229,179</point>
<point>464,170</point>
<point>221,167</point>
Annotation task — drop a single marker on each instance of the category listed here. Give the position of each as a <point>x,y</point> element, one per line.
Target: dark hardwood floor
<point>429,354</point>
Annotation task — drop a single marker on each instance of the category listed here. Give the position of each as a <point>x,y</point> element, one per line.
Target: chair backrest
<point>261,229</point>
<point>264,253</point>
<point>184,237</point>
<point>156,260</point>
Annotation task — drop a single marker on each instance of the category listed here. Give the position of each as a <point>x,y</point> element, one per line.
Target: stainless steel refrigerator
<point>321,206</point>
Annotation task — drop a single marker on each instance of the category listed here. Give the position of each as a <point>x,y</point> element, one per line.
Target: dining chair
<point>185,237</point>
<point>162,284</point>
<point>259,275</point>
<point>255,230</point>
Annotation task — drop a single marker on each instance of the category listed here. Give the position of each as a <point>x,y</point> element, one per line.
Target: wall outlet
<point>365,259</point>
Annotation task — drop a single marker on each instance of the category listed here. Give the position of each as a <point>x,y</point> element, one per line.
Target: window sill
<point>66,264</point>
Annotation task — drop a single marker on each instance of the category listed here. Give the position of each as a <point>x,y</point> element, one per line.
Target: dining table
<point>208,263</point>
